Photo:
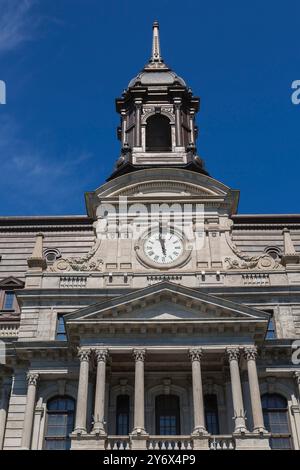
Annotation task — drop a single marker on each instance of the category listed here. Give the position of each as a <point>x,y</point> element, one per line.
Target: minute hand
<point>163,246</point>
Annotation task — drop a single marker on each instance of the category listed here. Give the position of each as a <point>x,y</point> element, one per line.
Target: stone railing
<point>256,279</point>
<point>72,282</point>
<point>8,330</point>
<point>170,443</point>
<point>221,443</point>
<point>117,443</point>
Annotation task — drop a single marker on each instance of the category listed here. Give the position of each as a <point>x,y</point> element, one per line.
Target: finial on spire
<point>156,57</point>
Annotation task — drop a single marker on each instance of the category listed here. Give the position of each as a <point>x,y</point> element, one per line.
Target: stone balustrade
<point>118,443</point>
<point>221,443</point>
<point>8,330</point>
<point>72,282</point>
<point>170,443</point>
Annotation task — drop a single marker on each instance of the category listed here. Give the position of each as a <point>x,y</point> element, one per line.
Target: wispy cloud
<point>36,178</point>
<point>16,23</point>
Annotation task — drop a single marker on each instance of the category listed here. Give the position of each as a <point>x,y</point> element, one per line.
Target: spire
<point>156,57</point>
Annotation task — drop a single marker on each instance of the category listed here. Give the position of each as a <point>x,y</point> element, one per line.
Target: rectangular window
<point>60,329</point>
<point>271,333</point>
<point>271,330</point>
<point>9,298</point>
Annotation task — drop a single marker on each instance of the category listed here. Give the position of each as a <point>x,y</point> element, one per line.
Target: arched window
<point>275,410</point>
<point>60,423</point>
<point>158,134</point>
<point>122,415</point>
<point>211,414</point>
<point>167,414</point>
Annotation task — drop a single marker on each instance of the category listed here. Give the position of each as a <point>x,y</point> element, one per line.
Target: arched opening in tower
<point>158,134</point>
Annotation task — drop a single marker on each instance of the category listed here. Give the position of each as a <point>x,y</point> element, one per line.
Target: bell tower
<point>157,112</point>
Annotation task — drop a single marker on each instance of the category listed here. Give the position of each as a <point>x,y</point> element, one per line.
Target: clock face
<point>163,248</point>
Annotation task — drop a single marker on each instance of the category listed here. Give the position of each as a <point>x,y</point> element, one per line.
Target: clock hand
<point>162,243</point>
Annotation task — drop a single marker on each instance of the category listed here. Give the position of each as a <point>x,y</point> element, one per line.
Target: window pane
<point>275,413</point>
<point>271,334</point>
<point>60,423</point>
<point>8,300</point>
<point>122,414</point>
<point>167,412</point>
<point>60,329</point>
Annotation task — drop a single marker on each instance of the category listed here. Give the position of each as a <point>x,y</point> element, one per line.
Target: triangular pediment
<point>166,302</point>
<point>11,283</point>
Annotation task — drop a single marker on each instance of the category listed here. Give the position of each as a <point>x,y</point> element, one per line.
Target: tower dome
<point>157,119</point>
<point>156,72</point>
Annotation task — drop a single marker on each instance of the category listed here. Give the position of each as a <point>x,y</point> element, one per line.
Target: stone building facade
<point>162,318</point>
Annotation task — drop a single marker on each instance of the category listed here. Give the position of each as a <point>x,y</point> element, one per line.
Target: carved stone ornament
<point>32,379</point>
<point>244,261</point>
<point>233,354</point>
<point>101,355</point>
<point>84,354</point>
<point>195,354</point>
<point>89,262</point>
<point>250,353</point>
<point>139,354</point>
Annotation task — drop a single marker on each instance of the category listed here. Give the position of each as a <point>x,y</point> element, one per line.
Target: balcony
<point>170,443</point>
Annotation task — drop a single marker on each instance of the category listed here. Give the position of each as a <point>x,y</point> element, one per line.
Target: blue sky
<point>65,61</point>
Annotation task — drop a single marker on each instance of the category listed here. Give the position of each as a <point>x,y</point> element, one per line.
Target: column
<point>237,397</point>
<point>192,129</point>
<point>32,379</point>
<point>101,357</point>
<point>139,392</point>
<point>3,412</point>
<point>82,394</point>
<point>297,378</point>
<point>199,418</point>
<point>138,107</point>
<point>177,106</point>
<point>296,411</point>
<point>257,414</point>
<point>124,137</point>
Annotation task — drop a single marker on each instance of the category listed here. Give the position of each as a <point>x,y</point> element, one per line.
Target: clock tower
<point>157,119</point>
<point>160,210</point>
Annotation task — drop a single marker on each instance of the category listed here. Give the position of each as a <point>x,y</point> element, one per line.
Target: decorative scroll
<point>89,262</point>
<point>244,261</point>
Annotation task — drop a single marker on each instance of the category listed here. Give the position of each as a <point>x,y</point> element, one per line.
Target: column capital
<point>84,354</point>
<point>233,353</point>
<point>195,354</point>
<point>139,354</point>
<point>32,378</point>
<point>250,353</point>
<point>101,355</point>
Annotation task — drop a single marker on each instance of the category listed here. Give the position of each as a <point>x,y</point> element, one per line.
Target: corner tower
<point>157,119</point>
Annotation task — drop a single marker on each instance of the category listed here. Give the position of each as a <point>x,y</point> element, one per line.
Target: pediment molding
<point>11,282</point>
<point>166,302</point>
<point>164,188</point>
